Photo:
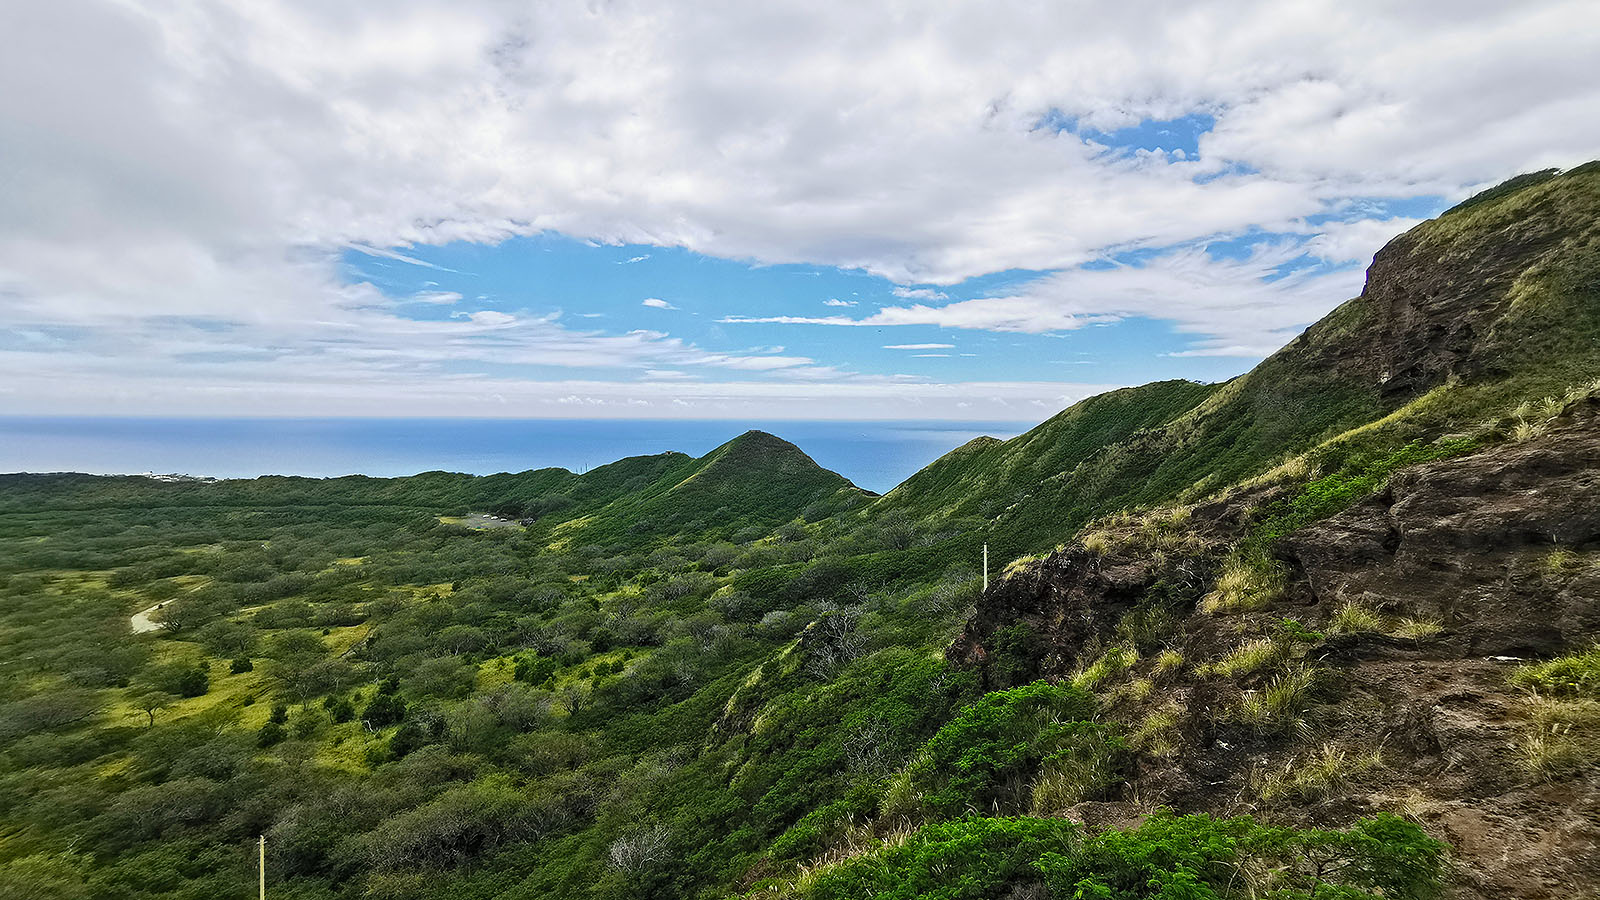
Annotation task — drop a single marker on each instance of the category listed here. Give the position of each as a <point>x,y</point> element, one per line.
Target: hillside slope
<point>1494,299</point>
<point>1401,618</point>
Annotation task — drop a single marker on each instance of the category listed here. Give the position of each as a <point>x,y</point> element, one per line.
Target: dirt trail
<point>142,622</point>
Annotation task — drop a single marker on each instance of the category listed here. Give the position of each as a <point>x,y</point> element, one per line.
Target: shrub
<point>384,710</point>
<point>272,733</point>
<point>973,857</point>
<point>990,754</point>
<point>1200,857</point>
<point>1017,651</point>
<point>1167,858</point>
<point>241,665</point>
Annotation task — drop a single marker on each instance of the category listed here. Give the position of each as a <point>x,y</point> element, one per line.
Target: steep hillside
<point>1491,302</point>
<point>984,477</point>
<point>1398,618</point>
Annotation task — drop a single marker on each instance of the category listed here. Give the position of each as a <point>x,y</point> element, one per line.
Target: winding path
<point>142,622</point>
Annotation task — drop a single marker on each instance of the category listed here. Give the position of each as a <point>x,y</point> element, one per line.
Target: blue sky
<point>805,210</point>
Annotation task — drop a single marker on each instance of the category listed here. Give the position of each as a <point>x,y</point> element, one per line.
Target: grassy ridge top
<point>1496,299</point>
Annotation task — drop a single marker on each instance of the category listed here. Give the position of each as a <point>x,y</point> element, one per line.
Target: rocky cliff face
<point>1412,608</point>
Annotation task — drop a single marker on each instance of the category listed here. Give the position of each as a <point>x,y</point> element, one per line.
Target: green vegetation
<point>1167,857</point>
<point>695,678</point>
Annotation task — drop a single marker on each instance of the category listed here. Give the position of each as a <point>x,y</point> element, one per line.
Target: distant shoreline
<point>875,455</point>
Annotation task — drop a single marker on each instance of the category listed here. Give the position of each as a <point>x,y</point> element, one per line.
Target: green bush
<point>1167,858</point>
<point>989,755</point>
<point>968,858</point>
<point>1200,858</point>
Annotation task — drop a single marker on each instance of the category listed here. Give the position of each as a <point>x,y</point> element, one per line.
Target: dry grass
<point>1249,658</point>
<point>1353,618</point>
<point>1279,704</point>
<point>1244,587</point>
<point>1317,774</point>
<point>1563,736</point>
<point>1417,629</point>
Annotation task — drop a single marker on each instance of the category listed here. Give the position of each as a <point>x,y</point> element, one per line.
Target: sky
<point>817,210</point>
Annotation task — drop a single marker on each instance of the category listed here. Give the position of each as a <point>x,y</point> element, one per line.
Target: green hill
<point>1492,302</point>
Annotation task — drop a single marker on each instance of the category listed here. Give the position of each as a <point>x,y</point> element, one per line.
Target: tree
<point>271,734</point>
<point>384,710</point>
<point>150,701</point>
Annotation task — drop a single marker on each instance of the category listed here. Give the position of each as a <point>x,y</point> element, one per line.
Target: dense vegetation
<point>681,677</point>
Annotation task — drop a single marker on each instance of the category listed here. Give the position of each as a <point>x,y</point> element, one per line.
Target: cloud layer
<point>178,180</point>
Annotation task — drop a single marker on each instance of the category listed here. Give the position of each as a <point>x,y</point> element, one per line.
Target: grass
<point>1353,618</point>
<point>1168,662</point>
<point>1115,660</point>
<point>1417,629</point>
<point>1246,584</point>
<point>1278,706</point>
<point>1575,675</point>
<point>1563,736</point>
<point>1318,774</point>
<point>1157,734</point>
<point>1249,658</point>
<point>1562,714</point>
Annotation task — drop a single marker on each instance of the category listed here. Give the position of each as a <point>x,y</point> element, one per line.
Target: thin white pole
<point>985,568</point>
<point>263,867</point>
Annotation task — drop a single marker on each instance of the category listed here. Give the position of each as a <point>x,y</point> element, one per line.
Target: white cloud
<point>1245,307</point>
<point>396,255</point>
<point>918,346</point>
<point>213,162</point>
<point>918,294</point>
<point>835,301</point>
<point>440,297</point>
<point>657,303</point>
<point>1356,241</point>
<point>633,259</point>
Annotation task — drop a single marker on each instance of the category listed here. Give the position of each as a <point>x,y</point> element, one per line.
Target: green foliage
<point>1574,675</point>
<point>1201,858</point>
<point>1016,652</point>
<point>701,738</point>
<point>989,755</point>
<point>383,710</point>
<point>1168,857</point>
<point>271,734</point>
<point>535,669</point>
<point>968,858</point>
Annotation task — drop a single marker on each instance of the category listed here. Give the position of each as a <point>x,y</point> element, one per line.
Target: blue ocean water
<point>875,455</point>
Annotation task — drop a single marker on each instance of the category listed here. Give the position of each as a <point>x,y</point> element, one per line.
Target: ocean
<point>874,455</point>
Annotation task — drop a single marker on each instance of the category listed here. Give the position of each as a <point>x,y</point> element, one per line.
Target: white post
<point>986,568</point>
<point>263,867</point>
